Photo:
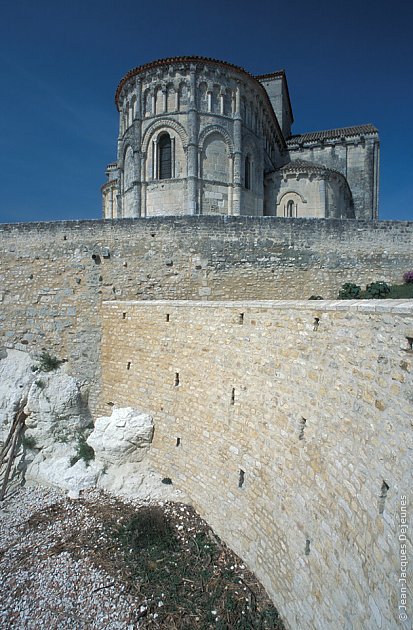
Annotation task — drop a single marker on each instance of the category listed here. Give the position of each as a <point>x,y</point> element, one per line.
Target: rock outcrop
<point>61,447</point>
<point>55,409</point>
<point>122,438</point>
<point>16,377</point>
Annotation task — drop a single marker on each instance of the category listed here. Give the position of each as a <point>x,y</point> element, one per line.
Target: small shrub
<point>167,481</point>
<point>40,384</point>
<point>349,291</point>
<point>408,277</point>
<point>401,291</point>
<point>48,363</point>
<point>28,441</point>
<point>377,290</point>
<point>316,297</point>
<point>83,451</point>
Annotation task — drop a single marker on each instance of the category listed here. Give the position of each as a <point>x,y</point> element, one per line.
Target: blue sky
<point>60,62</point>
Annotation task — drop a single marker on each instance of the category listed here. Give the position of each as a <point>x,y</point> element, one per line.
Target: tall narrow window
<point>165,157</point>
<point>247,173</point>
<point>290,208</point>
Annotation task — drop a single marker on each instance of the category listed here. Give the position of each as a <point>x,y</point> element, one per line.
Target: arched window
<point>165,157</point>
<point>247,173</point>
<point>290,209</point>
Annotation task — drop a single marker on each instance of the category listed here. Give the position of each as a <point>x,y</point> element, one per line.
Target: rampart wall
<point>53,276</point>
<point>289,426</point>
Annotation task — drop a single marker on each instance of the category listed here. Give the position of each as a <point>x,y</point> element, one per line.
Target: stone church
<point>202,136</point>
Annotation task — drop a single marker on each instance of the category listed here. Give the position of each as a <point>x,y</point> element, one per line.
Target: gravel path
<point>43,586</point>
<point>63,566</point>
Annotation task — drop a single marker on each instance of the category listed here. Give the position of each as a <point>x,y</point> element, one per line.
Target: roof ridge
<point>333,133</point>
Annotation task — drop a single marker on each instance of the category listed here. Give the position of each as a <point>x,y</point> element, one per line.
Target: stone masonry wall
<point>53,276</point>
<point>289,426</point>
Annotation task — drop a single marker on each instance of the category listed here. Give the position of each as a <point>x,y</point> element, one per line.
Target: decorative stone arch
<point>159,99</point>
<point>147,102</point>
<point>183,94</point>
<point>215,171</point>
<point>133,106</point>
<point>249,145</point>
<point>250,162</point>
<point>288,205</point>
<point>163,124</point>
<point>171,97</point>
<point>211,129</point>
<point>128,167</point>
<point>150,148</point>
<point>202,95</point>
<point>126,146</point>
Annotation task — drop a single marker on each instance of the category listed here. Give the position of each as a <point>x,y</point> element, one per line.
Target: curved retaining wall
<point>53,276</point>
<point>289,426</point>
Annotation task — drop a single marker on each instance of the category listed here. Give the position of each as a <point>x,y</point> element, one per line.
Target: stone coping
<point>204,219</point>
<point>402,307</point>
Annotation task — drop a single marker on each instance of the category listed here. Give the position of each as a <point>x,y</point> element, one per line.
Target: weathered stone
<point>55,410</point>
<point>124,437</point>
<point>16,377</point>
<point>265,439</point>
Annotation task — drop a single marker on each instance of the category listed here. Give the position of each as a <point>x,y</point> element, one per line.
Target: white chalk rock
<point>16,377</point>
<point>55,409</point>
<point>52,467</point>
<point>124,437</point>
<point>137,481</point>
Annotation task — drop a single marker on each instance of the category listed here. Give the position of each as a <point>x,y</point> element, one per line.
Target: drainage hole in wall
<point>178,441</point>
<point>176,379</point>
<point>233,396</point>
<point>167,318</point>
<point>241,478</point>
<point>382,498</point>
<point>301,424</point>
<point>316,323</point>
<point>241,318</point>
<point>307,547</point>
<point>128,366</point>
<point>123,315</point>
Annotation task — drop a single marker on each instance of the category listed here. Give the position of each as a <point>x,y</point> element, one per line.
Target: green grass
<point>83,451</point>
<point>47,362</point>
<point>28,441</point>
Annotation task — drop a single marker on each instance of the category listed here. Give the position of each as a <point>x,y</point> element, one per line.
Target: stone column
<point>137,123</point>
<point>231,188</point>
<point>192,152</point>
<point>323,199</point>
<point>120,136</point>
<point>236,196</point>
<point>143,185</point>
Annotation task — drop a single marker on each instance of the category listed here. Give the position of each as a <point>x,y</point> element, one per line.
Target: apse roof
<point>341,132</point>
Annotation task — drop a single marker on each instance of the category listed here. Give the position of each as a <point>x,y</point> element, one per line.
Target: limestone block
<point>15,380</point>
<point>55,409</point>
<point>136,480</point>
<point>123,437</point>
<point>51,466</point>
